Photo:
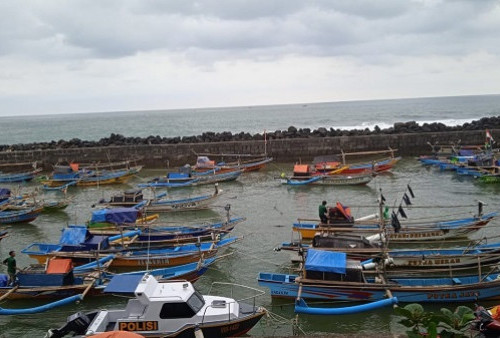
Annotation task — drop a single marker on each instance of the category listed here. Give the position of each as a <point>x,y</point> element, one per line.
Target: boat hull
<point>284,286</point>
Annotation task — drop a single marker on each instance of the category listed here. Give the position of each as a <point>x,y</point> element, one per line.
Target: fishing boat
<point>203,162</point>
<point>77,239</point>
<point>330,276</point>
<point>394,231</point>
<point>160,204</point>
<point>160,236</point>
<point>168,309</point>
<point>76,243</point>
<point>24,215</point>
<point>56,279</point>
<point>19,176</point>
<point>325,164</point>
<point>90,176</point>
<point>190,272</point>
<point>334,180</point>
<point>18,172</point>
<point>180,180</point>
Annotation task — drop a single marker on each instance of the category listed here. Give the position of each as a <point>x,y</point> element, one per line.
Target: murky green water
<point>270,209</point>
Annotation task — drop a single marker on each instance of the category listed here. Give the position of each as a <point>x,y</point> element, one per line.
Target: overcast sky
<point>92,56</point>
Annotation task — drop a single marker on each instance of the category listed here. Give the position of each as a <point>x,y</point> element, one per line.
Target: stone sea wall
<point>283,149</point>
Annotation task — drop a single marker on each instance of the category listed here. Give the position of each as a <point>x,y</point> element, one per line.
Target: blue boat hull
<point>284,286</point>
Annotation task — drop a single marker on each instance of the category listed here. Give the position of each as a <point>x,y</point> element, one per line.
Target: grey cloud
<point>251,29</point>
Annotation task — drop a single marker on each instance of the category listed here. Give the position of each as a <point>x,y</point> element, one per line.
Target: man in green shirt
<point>322,212</point>
<point>11,266</point>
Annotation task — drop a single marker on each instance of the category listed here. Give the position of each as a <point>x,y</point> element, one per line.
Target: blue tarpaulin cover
<point>326,261</point>
<point>115,215</point>
<point>123,284</point>
<point>177,175</point>
<point>73,235</point>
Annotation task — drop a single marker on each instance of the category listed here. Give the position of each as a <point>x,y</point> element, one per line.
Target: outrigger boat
<point>56,279</point>
<point>25,215</point>
<point>19,174</point>
<point>91,174</point>
<point>330,276</point>
<point>168,309</point>
<point>173,235</point>
<point>76,243</point>
<point>187,178</point>
<point>203,162</point>
<point>325,164</point>
<point>160,204</point>
<point>404,232</point>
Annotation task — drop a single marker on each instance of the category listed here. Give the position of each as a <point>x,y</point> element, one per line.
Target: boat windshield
<point>196,301</point>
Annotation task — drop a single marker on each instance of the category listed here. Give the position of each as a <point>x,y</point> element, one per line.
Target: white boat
<point>168,309</point>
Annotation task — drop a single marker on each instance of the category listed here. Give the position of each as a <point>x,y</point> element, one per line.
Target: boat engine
<point>485,323</point>
<point>76,323</point>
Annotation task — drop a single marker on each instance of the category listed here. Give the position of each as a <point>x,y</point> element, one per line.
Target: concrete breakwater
<point>282,149</point>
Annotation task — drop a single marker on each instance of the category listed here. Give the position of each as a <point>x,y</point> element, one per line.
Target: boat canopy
<point>326,261</point>
<point>73,235</point>
<point>115,215</point>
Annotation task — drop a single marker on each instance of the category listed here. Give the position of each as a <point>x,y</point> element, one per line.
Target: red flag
<point>489,138</point>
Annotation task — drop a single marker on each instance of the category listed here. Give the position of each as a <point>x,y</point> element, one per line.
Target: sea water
<point>253,119</point>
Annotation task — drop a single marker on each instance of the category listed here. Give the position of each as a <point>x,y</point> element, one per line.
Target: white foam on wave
<point>384,125</point>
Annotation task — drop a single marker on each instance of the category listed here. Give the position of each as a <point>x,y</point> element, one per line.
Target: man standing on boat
<point>323,212</point>
<point>11,266</point>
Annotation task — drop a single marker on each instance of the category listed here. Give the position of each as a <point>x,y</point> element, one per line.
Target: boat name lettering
<point>139,326</point>
<point>453,295</point>
<point>184,205</point>
<point>230,328</point>
<point>277,292</point>
<point>437,261</point>
<point>416,235</point>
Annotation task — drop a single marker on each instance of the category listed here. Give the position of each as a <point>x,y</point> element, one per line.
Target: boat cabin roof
<point>150,290</point>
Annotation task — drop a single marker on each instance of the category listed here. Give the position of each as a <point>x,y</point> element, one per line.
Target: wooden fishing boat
<point>56,279</point>
<point>173,235</point>
<point>91,177</point>
<point>188,180</point>
<point>77,239</point>
<point>341,221</point>
<point>98,246</point>
<point>203,163</point>
<point>190,272</point>
<point>160,204</point>
<point>20,216</point>
<point>334,180</point>
<point>156,309</point>
<point>330,276</point>
<point>410,232</point>
<point>17,177</point>
<point>377,166</point>
<point>184,204</point>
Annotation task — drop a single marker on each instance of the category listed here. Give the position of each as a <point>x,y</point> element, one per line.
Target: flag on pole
<point>489,138</point>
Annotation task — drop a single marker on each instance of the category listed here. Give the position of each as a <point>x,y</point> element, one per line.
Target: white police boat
<point>167,309</point>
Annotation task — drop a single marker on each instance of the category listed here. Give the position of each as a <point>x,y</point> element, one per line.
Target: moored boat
<point>330,276</point>
<point>168,309</point>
